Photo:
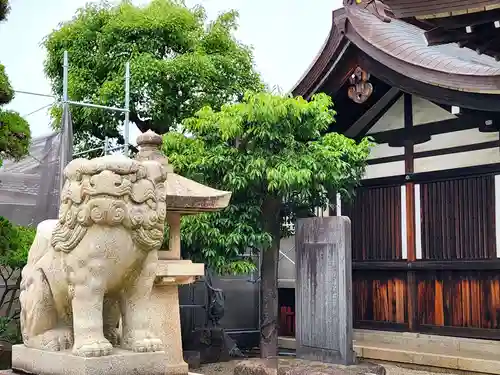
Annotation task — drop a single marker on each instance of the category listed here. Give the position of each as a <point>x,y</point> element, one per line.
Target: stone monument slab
<point>324,290</point>
<point>119,362</point>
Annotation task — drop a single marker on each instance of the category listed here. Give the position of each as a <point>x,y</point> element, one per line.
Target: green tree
<point>4,9</point>
<point>15,242</point>
<point>15,133</point>
<point>179,63</point>
<point>274,154</point>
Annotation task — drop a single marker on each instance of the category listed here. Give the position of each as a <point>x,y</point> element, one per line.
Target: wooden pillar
<point>410,213</point>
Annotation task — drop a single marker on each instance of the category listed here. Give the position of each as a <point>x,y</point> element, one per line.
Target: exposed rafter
<point>483,38</point>
<point>438,35</point>
<point>477,29</point>
<point>366,121</point>
<point>471,19</point>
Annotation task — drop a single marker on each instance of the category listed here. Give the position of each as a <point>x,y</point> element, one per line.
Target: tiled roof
<point>408,43</point>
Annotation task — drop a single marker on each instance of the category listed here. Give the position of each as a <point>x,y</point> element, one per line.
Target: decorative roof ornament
<point>360,89</point>
<point>376,7</point>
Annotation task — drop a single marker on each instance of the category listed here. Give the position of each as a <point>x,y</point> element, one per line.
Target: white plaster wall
<point>392,119</point>
<point>425,111</point>
<point>454,139</point>
<point>458,160</point>
<point>395,168</point>
<point>383,150</point>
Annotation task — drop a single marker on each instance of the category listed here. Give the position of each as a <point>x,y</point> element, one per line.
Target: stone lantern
<point>184,197</point>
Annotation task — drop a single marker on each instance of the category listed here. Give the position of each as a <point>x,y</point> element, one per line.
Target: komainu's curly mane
<point>112,191</point>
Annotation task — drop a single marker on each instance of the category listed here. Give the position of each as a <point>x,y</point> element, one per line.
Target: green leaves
<point>4,9</point>
<point>6,91</point>
<point>15,242</point>
<point>266,148</point>
<point>15,135</point>
<point>179,64</point>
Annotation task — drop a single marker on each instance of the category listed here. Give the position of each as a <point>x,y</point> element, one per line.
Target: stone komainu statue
<point>97,262</point>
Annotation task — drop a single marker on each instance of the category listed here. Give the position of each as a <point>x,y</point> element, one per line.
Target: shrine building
<point>422,78</point>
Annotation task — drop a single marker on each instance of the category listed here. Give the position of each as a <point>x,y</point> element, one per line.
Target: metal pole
<point>34,93</point>
<point>64,132</point>
<point>83,104</point>
<point>116,148</point>
<point>127,108</point>
<point>65,77</point>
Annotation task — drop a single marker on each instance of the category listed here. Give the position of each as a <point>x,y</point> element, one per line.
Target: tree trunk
<point>269,280</point>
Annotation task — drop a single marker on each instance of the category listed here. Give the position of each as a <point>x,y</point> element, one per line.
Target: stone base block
<point>176,369</point>
<point>120,362</point>
<point>292,366</point>
<point>326,355</point>
<point>11,372</point>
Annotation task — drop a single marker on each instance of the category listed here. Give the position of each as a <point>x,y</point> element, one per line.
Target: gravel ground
<point>228,367</point>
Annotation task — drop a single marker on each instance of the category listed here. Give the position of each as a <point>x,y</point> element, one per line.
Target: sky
<point>286,36</point>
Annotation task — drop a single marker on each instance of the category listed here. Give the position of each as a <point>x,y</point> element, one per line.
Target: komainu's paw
<point>93,348</point>
<point>54,340</point>
<point>147,345</point>
<point>142,341</point>
<point>113,336</point>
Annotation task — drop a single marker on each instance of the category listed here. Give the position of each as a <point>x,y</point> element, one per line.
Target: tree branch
<point>143,125</point>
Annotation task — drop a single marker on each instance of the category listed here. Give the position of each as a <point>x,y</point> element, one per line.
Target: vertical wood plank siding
<point>376,223</point>
<point>460,299</point>
<point>458,219</point>
<point>457,225</point>
<point>379,297</point>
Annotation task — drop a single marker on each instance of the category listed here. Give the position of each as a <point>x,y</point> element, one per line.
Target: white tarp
<point>29,188</point>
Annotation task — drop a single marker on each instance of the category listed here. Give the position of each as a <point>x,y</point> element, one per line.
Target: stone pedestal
<point>324,290</point>
<point>120,362</point>
<point>166,309</point>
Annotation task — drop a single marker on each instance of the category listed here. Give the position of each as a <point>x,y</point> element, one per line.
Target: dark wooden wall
<point>376,223</point>
<point>458,219</point>
<point>453,286</point>
<point>441,274</point>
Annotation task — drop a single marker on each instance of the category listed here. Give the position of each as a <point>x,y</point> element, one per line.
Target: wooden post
<point>410,214</point>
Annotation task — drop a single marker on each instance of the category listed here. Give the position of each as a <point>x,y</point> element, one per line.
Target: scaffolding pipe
<point>127,108</point>
<point>34,93</point>
<point>87,151</point>
<point>116,148</point>
<point>83,104</point>
<point>64,132</point>
<point>38,110</point>
<point>65,77</point>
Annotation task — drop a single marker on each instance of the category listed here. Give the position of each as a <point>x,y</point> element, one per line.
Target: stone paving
<point>227,369</point>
